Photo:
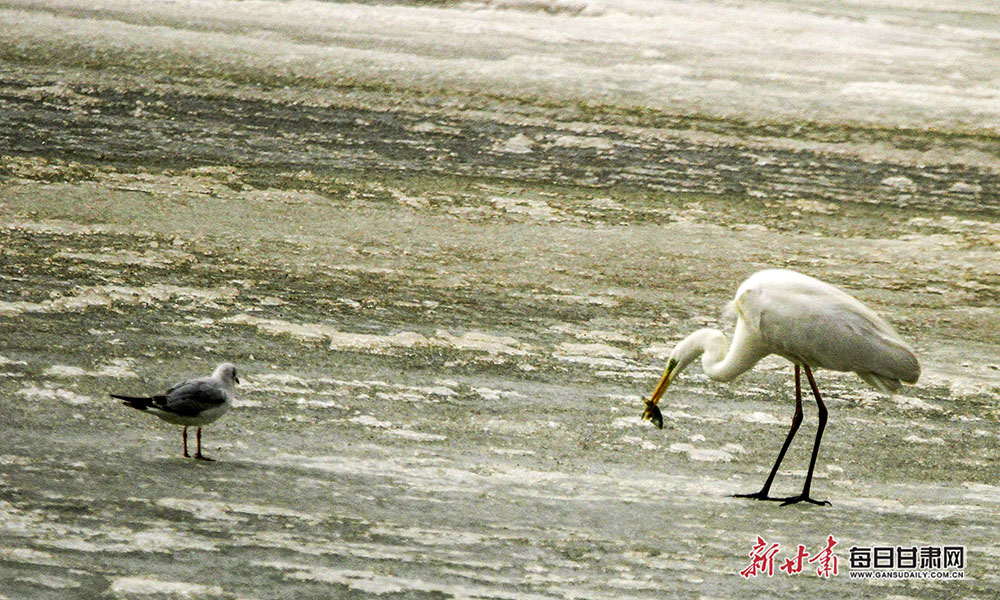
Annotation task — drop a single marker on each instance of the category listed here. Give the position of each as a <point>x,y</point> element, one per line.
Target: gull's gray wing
<point>191,398</point>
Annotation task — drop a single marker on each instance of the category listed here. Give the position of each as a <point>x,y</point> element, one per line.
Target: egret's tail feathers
<point>134,402</point>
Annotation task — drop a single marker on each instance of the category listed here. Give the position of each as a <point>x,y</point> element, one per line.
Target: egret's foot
<point>201,456</point>
<point>804,498</point>
<point>761,495</point>
<point>652,413</point>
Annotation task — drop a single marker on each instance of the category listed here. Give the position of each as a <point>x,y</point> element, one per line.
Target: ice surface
<point>50,392</point>
<point>889,61</point>
<point>763,418</point>
<point>450,246</point>
<point>82,299</point>
<point>127,587</point>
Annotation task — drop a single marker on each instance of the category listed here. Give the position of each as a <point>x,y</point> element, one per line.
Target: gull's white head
<point>226,373</point>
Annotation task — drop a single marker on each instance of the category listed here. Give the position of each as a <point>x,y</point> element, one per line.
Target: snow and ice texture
<point>131,587</point>
<point>450,250</point>
<point>910,62</point>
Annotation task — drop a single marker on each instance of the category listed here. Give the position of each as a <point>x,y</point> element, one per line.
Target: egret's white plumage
<point>812,324</point>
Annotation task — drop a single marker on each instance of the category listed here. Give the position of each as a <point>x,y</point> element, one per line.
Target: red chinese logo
<point>762,560</point>
<point>794,566</point>
<point>826,559</point>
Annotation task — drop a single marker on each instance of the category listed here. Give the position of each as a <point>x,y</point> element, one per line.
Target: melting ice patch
<point>126,587</point>
<point>916,439</point>
<point>519,144</point>
<point>529,207</point>
<point>107,295</point>
<point>763,418</point>
<point>50,581</point>
<point>576,141</point>
<point>50,392</point>
<point>150,258</point>
<point>912,507</point>
<point>892,61</point>
<point>638,441</point>
<point>340,340</point>
<point>432,537</point>
<point>370,582</point>
<point>402,432</point>
<point>417,436</point>
<point>916,403</point>
<point>116,368</point>
<point>981,492</point>
<point>309,388</point>
<point>724,454</point>
<point>630,422</point>
<point>370,421</point>
<point>483,342</point>
<point>28,555</point>
<point>211,510</point>
<point>661,351</point>
<point>594,355</point>
<point>494,395</point>
<point>926,96</point>
<point>304,402</point>
<point>594,334</point>
<point>570,349</point>
<point>591,299</point>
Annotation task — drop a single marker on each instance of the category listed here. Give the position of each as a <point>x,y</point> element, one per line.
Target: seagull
<point>191,403</point>
<point>808,322</point>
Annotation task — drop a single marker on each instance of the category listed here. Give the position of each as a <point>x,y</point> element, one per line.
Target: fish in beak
<point>652,411</point>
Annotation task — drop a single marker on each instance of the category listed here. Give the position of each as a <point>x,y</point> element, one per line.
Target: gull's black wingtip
<point>133,402</point>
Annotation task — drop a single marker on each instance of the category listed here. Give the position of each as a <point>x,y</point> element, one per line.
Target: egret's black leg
<point>796,421</point>
<point>198,454</point>
<point>804,496</point>
<point>184,436</point>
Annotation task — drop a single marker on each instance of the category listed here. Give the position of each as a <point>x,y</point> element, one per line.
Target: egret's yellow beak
<point>652,412</point>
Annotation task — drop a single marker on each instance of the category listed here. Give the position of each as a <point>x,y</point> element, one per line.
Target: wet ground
<point>445,303</point>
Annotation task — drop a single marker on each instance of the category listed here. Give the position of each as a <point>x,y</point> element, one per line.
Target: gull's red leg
<point>198,454</point>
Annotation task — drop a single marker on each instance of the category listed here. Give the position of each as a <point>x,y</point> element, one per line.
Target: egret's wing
<point>828,328</point>
<point>191,398</point>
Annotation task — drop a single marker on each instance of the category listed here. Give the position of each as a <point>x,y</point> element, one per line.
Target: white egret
<point>191,403</point>
<point>810,323</point>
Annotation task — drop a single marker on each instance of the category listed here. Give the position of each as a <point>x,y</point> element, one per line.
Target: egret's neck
<point>719,360</point>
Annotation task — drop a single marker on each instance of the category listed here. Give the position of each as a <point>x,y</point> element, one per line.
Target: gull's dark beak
<point>236,379</point>
<point>652,413</point>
